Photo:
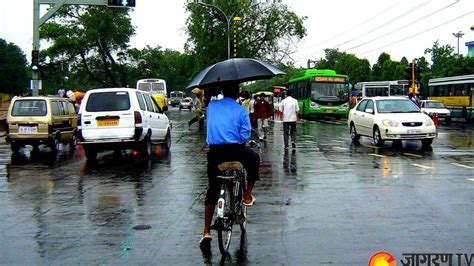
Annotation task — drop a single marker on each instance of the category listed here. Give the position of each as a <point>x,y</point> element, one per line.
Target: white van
<point>121,118</point>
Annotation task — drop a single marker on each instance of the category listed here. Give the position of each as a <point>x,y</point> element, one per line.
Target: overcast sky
<point>364,27</point>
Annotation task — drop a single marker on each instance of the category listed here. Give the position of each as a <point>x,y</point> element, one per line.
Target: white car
<point>392,119</point>
<point>121,118</point>
<point>186,103</point>
<point>430,107</point>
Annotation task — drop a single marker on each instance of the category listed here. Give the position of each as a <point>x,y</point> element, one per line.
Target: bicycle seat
<point>230,166</point>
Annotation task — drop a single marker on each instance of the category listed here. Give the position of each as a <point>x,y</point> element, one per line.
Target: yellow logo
<point>382,259</point>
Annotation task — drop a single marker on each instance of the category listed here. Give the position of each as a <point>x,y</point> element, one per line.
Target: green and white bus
<point>321,92</point>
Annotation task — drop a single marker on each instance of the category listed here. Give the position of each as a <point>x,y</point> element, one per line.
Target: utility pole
<point>458,35</point>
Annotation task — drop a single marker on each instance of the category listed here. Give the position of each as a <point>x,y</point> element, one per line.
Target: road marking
<point>421,166</point>
<point>470,179</point>
<point>411,154</point>
<point>377,155</point>
<point>339,141</point>
<point>307,136</point>
<point>370,146</point>
<point>462,165</point>
<point>339,148</point>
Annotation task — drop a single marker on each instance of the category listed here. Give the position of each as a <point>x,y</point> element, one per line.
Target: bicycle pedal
<point>213,227</point>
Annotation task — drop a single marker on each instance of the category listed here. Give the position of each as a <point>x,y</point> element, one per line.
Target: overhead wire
<point>417,34</point>
<point>376,28</point>
<point>356,26</point>
<point>416,8</point>
<point>402,27</point>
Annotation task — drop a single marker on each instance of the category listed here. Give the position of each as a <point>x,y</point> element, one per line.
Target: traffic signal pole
<point>413,88</point>
<point>39,20</point>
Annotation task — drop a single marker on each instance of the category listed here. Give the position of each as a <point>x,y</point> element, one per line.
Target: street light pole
<point>227,20</point>
<point>458,35</point>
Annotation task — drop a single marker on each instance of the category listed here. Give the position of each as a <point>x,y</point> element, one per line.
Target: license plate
<point>27,130</point>
<point>413,131</point>
<point>329,111</point>
<point>107,123</point>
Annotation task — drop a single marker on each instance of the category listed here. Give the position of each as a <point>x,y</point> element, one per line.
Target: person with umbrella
<point>228,129</point>
<point>228,126</point>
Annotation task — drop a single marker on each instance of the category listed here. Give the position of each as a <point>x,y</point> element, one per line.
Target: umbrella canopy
<point>235,69</point>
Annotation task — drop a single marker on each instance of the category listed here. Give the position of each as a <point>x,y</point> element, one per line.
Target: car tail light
<point>138,117</point>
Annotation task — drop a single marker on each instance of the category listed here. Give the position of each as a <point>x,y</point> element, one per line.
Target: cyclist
<point>228,129</point>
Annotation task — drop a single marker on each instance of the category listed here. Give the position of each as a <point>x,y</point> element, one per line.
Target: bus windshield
<point>152,87</point>
<point>330,92</point>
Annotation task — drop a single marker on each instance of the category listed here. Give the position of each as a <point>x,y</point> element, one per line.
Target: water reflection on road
<point>325,197</point>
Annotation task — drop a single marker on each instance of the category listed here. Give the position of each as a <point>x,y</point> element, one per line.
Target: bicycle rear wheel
<point>243,208</point>
<point>224,224</point>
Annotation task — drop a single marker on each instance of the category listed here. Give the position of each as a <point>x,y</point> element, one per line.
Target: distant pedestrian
<point>289,107</point>
<point>353,100</point>
<point>198,109</point>
<point>262,113</point>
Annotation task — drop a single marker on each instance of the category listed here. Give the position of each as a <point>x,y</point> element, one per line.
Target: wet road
<point>325,202</point>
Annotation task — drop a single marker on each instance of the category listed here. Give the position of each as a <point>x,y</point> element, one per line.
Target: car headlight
<point>390,123</point>
<point>429,122</point>
<point>314,105</point>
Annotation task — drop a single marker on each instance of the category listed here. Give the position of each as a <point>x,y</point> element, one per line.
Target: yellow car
<point>41,120</point>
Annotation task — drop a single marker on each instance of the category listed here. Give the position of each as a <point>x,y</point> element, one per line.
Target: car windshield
<point>396,106</point>
<point>29,108</point>
<point>108,101</point>
<point>329,92</point>
<point>436,105</point>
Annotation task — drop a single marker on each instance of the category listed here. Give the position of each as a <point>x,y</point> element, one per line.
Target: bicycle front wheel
<point>224,228</point>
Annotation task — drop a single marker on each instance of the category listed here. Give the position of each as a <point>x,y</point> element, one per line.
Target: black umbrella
<point>235,69</point>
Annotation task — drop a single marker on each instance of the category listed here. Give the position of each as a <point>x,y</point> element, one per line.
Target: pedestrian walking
<point>262,113</point>
<point>198,109</point>
<point>289,107</point>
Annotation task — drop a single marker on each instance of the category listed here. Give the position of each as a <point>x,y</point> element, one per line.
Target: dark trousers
<point>226,153</point>
<point>289,128</point>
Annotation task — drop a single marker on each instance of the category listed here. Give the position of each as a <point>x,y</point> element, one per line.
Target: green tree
<point>348,64</point>
<point>266,31</point>
<point>92,41</point>
<point>13,68</point>
<point>174,67</point>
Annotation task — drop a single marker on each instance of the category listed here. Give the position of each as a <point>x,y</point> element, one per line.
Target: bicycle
<point>230,209</point>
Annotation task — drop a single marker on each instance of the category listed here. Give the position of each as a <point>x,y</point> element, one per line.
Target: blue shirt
<point>227,122</point>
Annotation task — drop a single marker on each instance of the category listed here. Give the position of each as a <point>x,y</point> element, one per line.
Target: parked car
<point>186,103</point>
<point>41,120</point>
<point>122,118</point>
<point>430,107</point>
<point>392,119</point>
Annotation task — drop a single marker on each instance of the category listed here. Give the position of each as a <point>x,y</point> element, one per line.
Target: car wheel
<point>354,136</point>
<point>91,153</point>
<point>72,142</point>
<point>147,148</point>
<point>54,144</point>
<point>447,120</point>
<point>15,147</point>
<point>167,144</point>
<point>426,142</point>
<point>378,141</point>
